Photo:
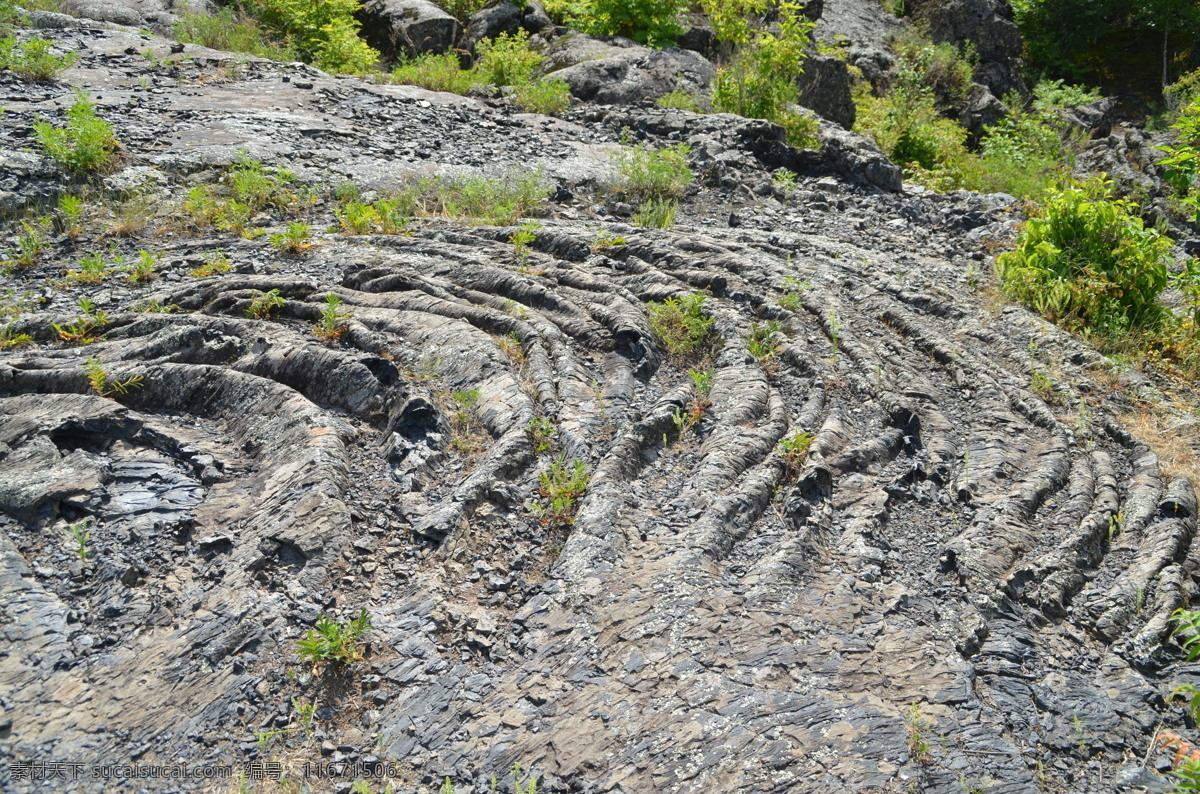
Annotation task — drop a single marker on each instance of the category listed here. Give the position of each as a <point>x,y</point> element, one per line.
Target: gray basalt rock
<point>710,615</point>
<point>610,70</point>
<point>825,88</point>
<point>504,16</point>
<point>408,26</point>
<point>988,26</point>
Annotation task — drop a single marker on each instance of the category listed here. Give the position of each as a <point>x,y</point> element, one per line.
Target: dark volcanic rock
<point>988,26</point>
<point>504,16</point>
<point>825,88</point>
<point>954,557</point>
<point>609,70</point>
<point>408,26</point>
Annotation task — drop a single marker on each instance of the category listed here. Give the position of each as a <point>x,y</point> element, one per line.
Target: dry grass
<point>1172,432</point>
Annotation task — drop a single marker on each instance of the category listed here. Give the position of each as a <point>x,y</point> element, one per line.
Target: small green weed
<point>520,240</point>
<point>794,449</point>
<point>336,643</point>
<point>784,179</point>
<point>295,239</point>
<point>87,144</point>
<point>31,242</point>
<point>80,532</point>
<point>656,214</point>
<point>83,330</point>
<point>105,385</point>
<point>10,338</point>
<point>145,269</point>
<point>155,306</point>
<point>918,726</point>
<point>264,304</point>
<point>1041,386</point>
<point>682,326</point>
<point>562,484</point>
<point>792,299</point>
<point>541,434</point>
<point>761,341</point>
<point>465,421</point>
<point>332,324</point>
<point>605,240</point>
<point>1187,631</point>
<point>92,270</point>
<point>71,210</point>
<point>703,380</point>
<point>215,262</point>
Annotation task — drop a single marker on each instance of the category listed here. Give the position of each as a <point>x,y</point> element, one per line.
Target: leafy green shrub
<point>506,60</point>
<point>550,97</point>
<point>440,72</point>
<point>1182,163</point>
<point>1052,94</point>
<point>35,59</point>
<point>333,642</point>
<point>651,22</point>
<point>86,144</point>
<point>230,31</point>
<point>941,68</point>
<point>681,325</point>
<point>463,10</point>
<point>1022,154</point>
<point>1087,262</point>
<point>1183,91</point>
<point>655,173</point>
<point>323,32</point>
<point>760,81</point>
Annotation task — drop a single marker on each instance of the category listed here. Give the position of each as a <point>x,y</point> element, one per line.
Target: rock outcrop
<point>411,27</point>
<point>929,595</point>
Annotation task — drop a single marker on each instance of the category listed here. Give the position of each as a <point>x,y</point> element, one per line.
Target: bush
<point>506,60</point>
<point>34,60</point>
<point>229,31</point>
<point>941,68</point>
<point>499,201</point>
<point>550,97</point>
<point>681,325</point>
<point>323,32</point>
<point>1182,163</point>
<point>680,100</point>
<point>1086,262</point>
<point>86,144</point>
<point>651,22</point>
<point>655,173</point>
<point>562,485</point>
<point>760,81</point>
<point>1054,94</point>
<point>434,72</point>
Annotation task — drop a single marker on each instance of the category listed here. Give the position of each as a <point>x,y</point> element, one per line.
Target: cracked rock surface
<point>713,619</point>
